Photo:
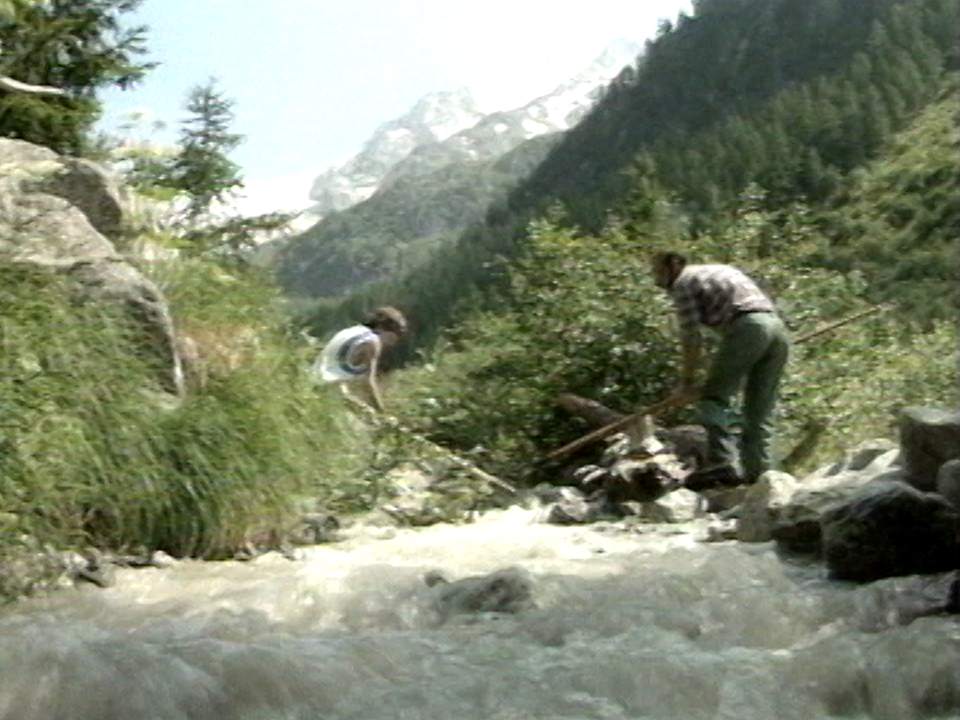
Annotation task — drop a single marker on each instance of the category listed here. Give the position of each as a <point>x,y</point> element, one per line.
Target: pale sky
<point>312,79</point>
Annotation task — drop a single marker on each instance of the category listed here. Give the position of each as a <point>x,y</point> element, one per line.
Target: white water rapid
<point>654,625</point>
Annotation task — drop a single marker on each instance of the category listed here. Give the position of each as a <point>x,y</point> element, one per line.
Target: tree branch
<point>11,85</point>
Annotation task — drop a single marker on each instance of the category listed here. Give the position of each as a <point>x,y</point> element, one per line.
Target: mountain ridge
<point>407,210</point>
<point>448,126</point>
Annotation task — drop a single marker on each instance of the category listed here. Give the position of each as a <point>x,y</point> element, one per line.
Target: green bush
<point>582,320</point>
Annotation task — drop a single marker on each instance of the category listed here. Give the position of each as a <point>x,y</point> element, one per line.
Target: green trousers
<point>752,355</point>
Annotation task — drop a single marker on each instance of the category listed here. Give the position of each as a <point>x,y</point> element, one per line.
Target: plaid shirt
<point>713,295</point>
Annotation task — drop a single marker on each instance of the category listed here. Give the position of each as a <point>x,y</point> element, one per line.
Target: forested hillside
<point>787,95</point>
<point>401,226</point>
<point>898,219</point>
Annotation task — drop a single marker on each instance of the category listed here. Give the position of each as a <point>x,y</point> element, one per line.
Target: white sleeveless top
<point>334,363</point>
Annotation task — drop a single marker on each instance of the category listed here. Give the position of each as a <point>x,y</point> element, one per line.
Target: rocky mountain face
<point>449,127</point>
<point>434,118</point>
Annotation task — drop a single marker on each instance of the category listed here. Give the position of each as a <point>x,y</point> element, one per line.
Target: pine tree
<point>202,168</point>
<point>76,46</point>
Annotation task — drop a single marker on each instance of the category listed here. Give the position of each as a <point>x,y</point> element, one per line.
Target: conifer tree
<point>202,168</point>
<point>75,46</point>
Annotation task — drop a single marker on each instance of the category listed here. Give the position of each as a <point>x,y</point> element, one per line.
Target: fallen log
<point>609,429</point>
<point>596,414</point>
<point>689,442</point>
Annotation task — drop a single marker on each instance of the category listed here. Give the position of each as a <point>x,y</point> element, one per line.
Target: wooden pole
<point>482,475</point>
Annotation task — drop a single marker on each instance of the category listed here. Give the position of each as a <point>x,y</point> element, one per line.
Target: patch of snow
<point>535,128</point>
<point>284,193</point>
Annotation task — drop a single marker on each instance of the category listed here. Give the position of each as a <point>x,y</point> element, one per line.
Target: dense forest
<point>794,97</point>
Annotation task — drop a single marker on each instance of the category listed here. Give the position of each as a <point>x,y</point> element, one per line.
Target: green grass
<point>90,456</point>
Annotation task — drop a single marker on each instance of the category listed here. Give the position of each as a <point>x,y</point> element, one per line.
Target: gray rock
<point>928,439</point>
<point>160,559</point>
<point>509,590</point>
<point>687,442</point>
<point>762,504</point>
<point>81,183</point>
<point>56,214</point>
<point>870,456</point>
<point>574,509</point>
<point>723,531</point>
<point>591,476</point>
<point>546,494</point>
<point>618,446</point>
<point>679,506</point>
<point>901,600</point>
<point>868,452</point>
<point>434,578</point>
<point>314,529</point>
<point>888,529</point>
<point>948,482</point>
<point>104,577</point>
<point>723,500</point>
<point>796,526</point>
<point>644,479</point>
<point>90,567</point>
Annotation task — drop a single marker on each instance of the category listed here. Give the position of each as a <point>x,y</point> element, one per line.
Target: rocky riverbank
<point>885,510</point>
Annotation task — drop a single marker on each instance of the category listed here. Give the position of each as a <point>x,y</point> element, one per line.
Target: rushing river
<point>654,625</point>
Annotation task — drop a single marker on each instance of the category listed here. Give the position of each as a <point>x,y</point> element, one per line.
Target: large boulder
<point>928,439</point>
<point>56,214</point>
<point>508,590</point>
<point>890,528</point>
<point>796,526</point>
<point>901,600</point>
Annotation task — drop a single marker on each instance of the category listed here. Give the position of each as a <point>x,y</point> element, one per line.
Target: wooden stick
<point>483,475</point>
<point>11,85</point>
<point>670,404</point>
<point>834,325</point>
<point>611,428</point>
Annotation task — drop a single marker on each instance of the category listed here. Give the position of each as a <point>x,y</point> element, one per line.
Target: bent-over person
<point>753,352</point>
<point>352,358</point>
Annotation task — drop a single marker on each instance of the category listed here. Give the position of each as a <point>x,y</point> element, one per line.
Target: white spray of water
<point>655,626</point>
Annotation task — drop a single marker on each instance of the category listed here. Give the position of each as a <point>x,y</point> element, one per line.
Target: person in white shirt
<point>353,356</point>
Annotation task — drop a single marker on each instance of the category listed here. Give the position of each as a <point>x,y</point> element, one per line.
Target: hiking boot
<point>720,476</point>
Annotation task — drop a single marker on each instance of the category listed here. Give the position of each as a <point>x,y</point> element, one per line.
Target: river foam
<point>654,625</point>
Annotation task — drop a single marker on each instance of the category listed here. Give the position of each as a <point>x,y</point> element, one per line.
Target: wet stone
<point>509,590</point>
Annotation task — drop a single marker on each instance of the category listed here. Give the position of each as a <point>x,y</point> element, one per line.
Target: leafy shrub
<point>585,317</point>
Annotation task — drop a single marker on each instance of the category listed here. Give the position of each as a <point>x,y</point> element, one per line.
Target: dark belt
<point>739,313</point>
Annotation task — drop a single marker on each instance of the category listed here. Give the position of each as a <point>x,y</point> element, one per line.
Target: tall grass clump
<point>92,453</point>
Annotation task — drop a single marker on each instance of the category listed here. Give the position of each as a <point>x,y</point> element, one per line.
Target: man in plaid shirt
<point>753,352</point>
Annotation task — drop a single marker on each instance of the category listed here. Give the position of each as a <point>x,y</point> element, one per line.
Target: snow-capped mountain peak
<point>433,118</point>
<point>449,126</point>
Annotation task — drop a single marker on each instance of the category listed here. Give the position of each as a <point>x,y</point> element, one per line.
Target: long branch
<point>8,83</point>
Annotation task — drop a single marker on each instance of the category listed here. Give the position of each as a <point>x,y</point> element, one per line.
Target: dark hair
<point>670,258</point>
<point>387,318</point>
